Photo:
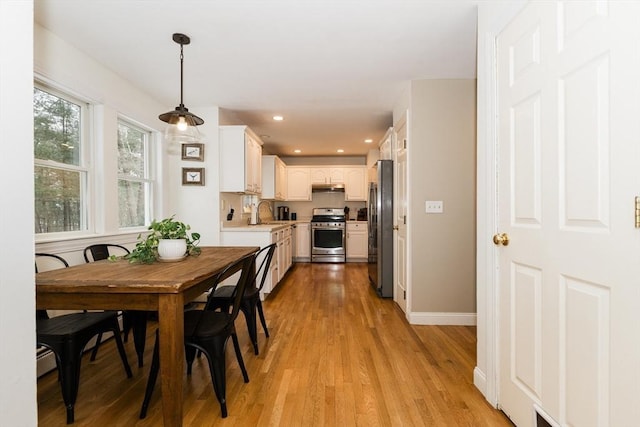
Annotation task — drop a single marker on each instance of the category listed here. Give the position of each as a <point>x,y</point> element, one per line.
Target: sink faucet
<point>268,206</point>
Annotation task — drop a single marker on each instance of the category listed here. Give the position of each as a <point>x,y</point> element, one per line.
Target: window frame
<point>149,179</point>
<point>87,175</point>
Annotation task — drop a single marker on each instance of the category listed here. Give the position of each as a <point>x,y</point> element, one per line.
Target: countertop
<point>270,226</point>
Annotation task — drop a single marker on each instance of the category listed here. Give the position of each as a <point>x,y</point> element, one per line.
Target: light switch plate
<point>434,206</point>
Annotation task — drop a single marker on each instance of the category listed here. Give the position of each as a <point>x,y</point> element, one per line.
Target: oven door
<point>327,244</point>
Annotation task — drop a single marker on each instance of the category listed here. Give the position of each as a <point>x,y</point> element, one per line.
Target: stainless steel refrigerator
<point>380,217</point>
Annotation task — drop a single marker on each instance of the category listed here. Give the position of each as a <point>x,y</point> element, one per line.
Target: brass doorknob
<point>501,239</point>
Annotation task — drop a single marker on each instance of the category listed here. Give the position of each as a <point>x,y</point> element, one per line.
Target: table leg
<point>171,326</point>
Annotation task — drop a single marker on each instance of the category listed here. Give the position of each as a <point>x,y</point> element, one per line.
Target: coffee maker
<point>283,213</point>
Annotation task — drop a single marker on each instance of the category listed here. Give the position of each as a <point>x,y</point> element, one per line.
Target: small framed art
<point>192,176</point>
<point>193,152</point>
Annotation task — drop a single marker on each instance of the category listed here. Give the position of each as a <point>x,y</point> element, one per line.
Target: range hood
<point>327,188</point>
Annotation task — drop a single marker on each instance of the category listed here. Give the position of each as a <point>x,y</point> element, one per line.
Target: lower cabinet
<point>357,241</point>
<point>282,257</point>
<point>302,239</point>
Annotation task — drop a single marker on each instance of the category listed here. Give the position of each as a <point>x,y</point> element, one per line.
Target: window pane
<point>56,128</point>
<point>131,197</point>
<point>57,200</point>
<point>131,151</point>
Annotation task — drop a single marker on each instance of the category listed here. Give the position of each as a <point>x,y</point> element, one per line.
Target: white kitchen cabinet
<point>240,160</point>
<point>302,242</point>
<point>355,187</point>
<point>327,175</point>
<point>282,238</point>
<point>274,178</point>
<point>298,184</point>
<point>262,237</point>
<point>357,241</point>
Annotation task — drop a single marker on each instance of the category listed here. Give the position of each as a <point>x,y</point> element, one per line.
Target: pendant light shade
<point>181,124</point>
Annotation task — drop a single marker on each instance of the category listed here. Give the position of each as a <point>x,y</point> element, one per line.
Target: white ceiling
<point>333,68</point>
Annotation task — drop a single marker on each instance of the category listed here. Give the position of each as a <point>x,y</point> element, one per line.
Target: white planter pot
<point>172,248</point>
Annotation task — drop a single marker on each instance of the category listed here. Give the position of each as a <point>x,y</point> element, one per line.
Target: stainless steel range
<point>328,235</point>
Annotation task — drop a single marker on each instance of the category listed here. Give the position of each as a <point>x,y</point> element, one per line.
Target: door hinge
<point>404,294</point>
<point>404,143</point>
<point>404,219</point>
<point>637,211</point>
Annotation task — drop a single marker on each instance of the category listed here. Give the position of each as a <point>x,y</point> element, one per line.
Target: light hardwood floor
<point>338,356</point>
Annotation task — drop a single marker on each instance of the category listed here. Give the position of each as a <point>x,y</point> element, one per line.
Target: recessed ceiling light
<point>278,118</point>
<point>297,151</point>
<point>340,150</point>
<point>265,136</point>
<point>368,141</point>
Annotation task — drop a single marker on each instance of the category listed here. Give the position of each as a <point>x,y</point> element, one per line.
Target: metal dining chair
<point>208,332</point>
<point>222,296</point>
<point>131,319</point>
<point>67,336</point>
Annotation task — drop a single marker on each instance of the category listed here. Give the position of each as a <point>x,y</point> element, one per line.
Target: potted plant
<point>169,240</point>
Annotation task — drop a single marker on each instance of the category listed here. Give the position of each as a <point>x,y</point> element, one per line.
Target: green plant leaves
<point>146,250</point>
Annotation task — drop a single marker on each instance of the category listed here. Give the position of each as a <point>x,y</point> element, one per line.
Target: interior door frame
<point>493,16</point>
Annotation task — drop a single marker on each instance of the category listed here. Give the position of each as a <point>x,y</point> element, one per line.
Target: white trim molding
<point>434,318</point>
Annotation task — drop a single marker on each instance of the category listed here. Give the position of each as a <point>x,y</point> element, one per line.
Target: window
<point>60,167</point>
<point>134,176</point>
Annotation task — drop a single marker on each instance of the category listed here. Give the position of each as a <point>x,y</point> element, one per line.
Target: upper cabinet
<point>327,175</point>
<point>240,160</point>
<point>298,183</point>
<point>274,178</point>
<point>355,183</point>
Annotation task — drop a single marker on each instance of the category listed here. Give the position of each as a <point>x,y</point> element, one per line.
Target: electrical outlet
<point>434,206</point>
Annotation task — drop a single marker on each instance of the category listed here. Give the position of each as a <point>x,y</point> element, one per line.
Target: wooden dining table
<point>162,286</point>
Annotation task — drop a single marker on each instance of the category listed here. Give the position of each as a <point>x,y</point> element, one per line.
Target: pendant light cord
<point>181,71</point>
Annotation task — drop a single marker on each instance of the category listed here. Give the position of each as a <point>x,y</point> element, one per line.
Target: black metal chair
<point>222,296</point>
<point>67,335</point>
<point>208,332</point>
<point>131,319</point>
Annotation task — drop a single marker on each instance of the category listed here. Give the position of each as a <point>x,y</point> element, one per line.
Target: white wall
<point>18,405</point>
<point>440,166</point>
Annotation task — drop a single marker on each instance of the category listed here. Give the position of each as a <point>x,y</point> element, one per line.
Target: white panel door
<point>400,204</point>
<point>569,279</point>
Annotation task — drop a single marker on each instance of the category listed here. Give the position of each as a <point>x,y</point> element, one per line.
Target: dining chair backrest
<point>46,262</point>
<point>102,251</point>
<point>263,270</point>
<point>247,265</point>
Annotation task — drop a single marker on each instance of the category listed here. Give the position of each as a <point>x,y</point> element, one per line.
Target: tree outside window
<point>59,174</point>
<point>134,181</point>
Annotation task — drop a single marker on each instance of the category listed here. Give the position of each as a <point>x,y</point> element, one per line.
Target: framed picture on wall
<point>192,176</point>
<point>193,152</point>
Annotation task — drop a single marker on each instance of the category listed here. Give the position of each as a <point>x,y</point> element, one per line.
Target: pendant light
<point>181,127</point>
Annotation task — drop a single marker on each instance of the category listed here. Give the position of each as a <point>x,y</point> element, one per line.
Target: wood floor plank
<point>337,356</point>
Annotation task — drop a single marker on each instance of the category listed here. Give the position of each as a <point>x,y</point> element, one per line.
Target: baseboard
<point>480,381</point>
<point>461,319</point>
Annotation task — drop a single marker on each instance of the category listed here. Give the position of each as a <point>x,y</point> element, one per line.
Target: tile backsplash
<point>304,210</point>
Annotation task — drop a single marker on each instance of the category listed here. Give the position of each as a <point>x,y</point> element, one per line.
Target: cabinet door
<point>298,185</point>
<point>303,240</point>
<point>337,175</point>
<point>281,180</point>
<point>355,184</point>
<point>357,240</point>
<point>320,175</point>
<point>253,164</point>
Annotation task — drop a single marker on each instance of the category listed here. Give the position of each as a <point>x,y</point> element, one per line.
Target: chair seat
<point>227,292</point>
<point>204,323</point>
<point>68,325</point>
